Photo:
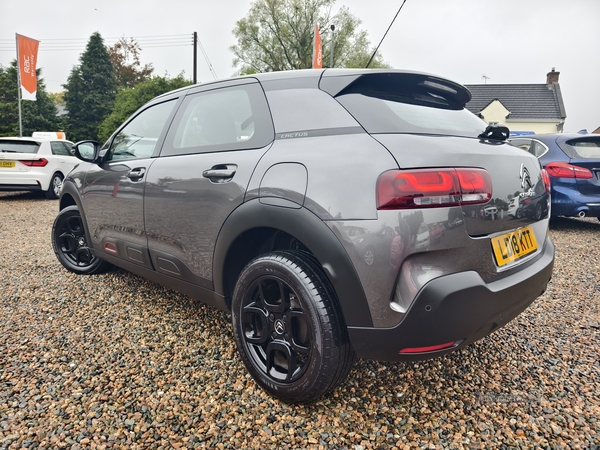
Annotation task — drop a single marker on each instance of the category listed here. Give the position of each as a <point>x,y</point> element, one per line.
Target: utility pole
<point>195,56</point>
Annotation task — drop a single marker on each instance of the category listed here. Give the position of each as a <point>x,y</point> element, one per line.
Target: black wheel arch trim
<point>312,232</point>
<point>69,189</point>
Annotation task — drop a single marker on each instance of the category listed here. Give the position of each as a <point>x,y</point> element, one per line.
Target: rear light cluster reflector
<point>41,162</point>
<point>433,188</point>
<point>431,348</point>
<point>565,170</point>
<point>546,179</point>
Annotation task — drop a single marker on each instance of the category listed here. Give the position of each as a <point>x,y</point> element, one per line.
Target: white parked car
<point>35,164</point>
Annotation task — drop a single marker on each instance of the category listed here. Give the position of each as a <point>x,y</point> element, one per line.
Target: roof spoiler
<point>364,81</point>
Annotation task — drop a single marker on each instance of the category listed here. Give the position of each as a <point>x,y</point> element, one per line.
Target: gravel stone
<point>114,361</point>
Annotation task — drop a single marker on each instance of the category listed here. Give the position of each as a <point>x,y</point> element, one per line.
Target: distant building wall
<point>536,127</point>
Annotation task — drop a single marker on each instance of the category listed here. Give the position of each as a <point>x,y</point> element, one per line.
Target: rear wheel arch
<point>50,192</point>
<point>254,229</point>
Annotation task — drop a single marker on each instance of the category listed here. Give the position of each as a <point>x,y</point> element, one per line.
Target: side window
<point>538,149</point>
<point>69,148</point>
<point>59,149</point>
<point>232,118</point>
<point>139,137</point>
<point>523,144</point>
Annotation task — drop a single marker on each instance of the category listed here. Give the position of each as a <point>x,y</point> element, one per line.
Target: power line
<point>79,44</point>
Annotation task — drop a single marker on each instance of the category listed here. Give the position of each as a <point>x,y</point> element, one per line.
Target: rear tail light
<point>546,179</point>
<point>433,188</point>
<point>35,162</point>
<point>565,170</point>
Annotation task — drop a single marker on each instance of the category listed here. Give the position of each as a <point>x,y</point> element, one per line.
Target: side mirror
<point>87,150</point>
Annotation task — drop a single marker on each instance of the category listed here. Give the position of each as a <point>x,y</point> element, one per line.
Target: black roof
<point>524,101</point>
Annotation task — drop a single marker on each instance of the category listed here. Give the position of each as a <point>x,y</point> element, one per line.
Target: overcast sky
<point>509,41</point>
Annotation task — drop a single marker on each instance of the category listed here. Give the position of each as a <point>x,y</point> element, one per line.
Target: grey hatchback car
<point>257,195</point>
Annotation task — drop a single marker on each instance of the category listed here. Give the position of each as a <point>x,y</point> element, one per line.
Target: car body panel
<point>502,161</point>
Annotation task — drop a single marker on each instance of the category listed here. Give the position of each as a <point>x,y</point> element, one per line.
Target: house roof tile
<point>524,101</point>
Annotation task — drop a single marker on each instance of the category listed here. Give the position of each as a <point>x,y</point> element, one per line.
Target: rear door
<point>63,158</point>
<point>219,134</point>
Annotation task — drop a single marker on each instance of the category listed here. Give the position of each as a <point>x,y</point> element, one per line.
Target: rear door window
<point>59,149</point>
<point>221,119</point>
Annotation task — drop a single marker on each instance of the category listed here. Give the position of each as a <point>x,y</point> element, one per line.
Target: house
<point>523,108</point>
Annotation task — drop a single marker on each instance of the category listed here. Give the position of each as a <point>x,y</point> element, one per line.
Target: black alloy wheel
<point>55,186</point>
<point>288,329</point>
<point>70,245</point>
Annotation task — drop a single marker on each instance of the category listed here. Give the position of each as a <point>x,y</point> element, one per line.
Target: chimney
<point>552,77</point>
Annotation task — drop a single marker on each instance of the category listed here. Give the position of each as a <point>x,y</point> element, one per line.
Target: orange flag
<point>318,50</point>
<point>27,50</point>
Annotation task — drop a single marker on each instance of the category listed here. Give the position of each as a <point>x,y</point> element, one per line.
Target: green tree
<point>279,34</point>
<point>39,115</point>
<point>125,56</point>
<point>130,100</point>
<point>90,91</point>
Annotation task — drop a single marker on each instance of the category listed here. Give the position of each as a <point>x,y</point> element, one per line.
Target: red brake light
<point>433,188</point>
<point>35,162</point>
<point>546,179</point>
<point>565,170</point>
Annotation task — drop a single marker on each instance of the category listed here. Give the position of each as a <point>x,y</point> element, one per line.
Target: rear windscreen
<point>410,103</point>
<point>583,148</point>
<point>18,146</point>
<point>378,115</point>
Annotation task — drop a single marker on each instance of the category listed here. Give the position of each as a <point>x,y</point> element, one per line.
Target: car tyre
<point>288,328</point>
<point>70,245</point>
<point>55,186</point>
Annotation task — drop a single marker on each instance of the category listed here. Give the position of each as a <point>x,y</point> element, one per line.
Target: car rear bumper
<point>570,202</point>
<point>459,308</point>
<point>20,187</point>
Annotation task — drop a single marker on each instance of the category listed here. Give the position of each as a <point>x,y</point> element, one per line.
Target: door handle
<point>220,173</point>
<point>136,174</point>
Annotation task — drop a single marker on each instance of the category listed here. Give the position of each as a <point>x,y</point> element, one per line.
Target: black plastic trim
<point>20,187</point>
<point>312,232</point>
<point>204,295</point>
<point>459,307</point>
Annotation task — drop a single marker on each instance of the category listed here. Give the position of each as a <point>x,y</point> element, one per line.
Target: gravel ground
<point>115,361</point>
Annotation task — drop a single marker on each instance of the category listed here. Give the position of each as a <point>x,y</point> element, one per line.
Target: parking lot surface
<point>115,361</point>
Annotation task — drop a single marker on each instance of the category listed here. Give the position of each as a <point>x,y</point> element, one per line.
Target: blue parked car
<point>573,163</point>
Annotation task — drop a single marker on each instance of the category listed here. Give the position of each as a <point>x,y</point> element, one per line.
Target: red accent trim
<point>110,247</point>
<point>431,348</point>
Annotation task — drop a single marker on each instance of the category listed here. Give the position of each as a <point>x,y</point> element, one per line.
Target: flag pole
<point>19,86</point>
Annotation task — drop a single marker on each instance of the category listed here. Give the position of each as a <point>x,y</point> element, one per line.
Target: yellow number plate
<point>7,164</point>
<point>512,246</point>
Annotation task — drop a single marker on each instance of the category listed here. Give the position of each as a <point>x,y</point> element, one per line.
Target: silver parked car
<point>302,202</point>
